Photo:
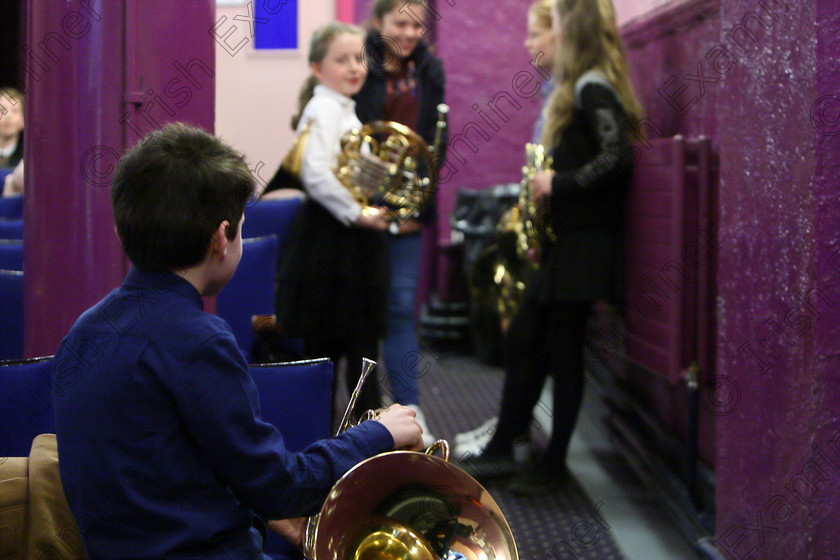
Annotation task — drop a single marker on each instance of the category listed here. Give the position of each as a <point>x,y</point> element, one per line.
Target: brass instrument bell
<point>405,505</point>
<point>387,164</point>
<point>412,506</point>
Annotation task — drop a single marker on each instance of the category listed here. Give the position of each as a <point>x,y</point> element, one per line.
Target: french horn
<point>406,505</point>
<point>387,164</point>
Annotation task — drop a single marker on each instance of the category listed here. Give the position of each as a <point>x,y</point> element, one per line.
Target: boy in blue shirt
<point>162,450</point>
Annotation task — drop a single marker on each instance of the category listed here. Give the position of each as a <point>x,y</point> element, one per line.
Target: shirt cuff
<point>352,215</point>
<point>372,437</point>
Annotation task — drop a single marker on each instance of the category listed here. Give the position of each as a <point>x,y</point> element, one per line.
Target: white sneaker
<point>521,448</point>
<point>544,409</point>
<point>479,433</point>
<point>474,447</point>
<point>428,438</point>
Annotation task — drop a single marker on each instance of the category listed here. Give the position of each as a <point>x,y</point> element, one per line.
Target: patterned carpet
<point>457,394</point>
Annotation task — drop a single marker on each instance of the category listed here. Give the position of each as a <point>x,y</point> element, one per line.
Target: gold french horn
<point>387,164</point>
<point>426,508</point>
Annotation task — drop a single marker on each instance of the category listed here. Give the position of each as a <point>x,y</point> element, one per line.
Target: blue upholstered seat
<point>11,316</point>
<point>11,254</point>
<point>25,404</point>
<point>297,398</point>
<point>11,228</point>
<point>270,217</point>
<point>251,290</point>
<point>11,206</point>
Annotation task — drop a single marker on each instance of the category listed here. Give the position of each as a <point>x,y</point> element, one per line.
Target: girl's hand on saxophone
<point>541,185</point>
<point>405,430</point>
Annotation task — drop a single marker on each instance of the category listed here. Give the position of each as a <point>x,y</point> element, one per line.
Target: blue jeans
<point>400,349</point>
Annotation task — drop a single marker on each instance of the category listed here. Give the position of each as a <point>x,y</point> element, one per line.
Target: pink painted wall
<point>628,9</point>
<point>256,93</point>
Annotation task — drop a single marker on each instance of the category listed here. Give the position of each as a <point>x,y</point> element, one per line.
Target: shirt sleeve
<point>605,118</point>
<point>218,402</point>
<point>318,162</point>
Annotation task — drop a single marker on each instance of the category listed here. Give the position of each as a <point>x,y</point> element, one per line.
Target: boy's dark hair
<point>172,191</point>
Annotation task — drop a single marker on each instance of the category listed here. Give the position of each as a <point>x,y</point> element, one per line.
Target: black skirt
<point>579,266</point>
<point>332,280</point>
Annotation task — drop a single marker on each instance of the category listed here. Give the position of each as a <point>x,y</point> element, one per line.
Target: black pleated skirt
<point>331,279</point>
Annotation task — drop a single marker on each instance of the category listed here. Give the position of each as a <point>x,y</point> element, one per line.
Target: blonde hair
<point>541,10</point>
<point>318,47</point>
<point>590,41</point>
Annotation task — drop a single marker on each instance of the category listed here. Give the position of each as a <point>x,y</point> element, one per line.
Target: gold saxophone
<point>520,234</point>
<point>387,164</point>
<point>405,505</point>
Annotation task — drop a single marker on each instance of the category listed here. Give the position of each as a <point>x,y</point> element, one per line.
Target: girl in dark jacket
<point>405,84</point>
<point>587,118</point>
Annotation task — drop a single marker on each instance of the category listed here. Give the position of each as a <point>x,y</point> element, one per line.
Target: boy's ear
<point>219,244</point>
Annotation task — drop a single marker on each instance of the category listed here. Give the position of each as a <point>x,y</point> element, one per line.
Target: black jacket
<point>593,166</point>
<point>370,101</point>
<point>15,156</point>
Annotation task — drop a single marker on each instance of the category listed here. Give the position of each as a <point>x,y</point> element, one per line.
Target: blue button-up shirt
<point>162,450</point>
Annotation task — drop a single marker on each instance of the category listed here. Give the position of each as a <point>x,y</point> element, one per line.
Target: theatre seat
<point>11,206</point>
<point>251,290</point>
<point>11,229</point>
<point>25,404</point>
<point>35,520</point>
<point>11,254</point>
<point>11,315</point>
<point>270,217</point>
<point>297,398</point>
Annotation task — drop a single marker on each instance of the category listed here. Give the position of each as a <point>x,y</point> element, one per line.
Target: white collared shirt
<point>8,150</point>
<point>330,115</point>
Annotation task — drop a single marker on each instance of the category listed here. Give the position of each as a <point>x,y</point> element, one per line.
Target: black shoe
<point>539,480</point>
<point>485,467</point>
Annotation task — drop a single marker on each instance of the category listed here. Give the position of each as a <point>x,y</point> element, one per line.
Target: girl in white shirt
<point>333,274</point>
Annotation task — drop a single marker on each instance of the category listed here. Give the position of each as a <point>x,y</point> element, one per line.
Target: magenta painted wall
<point>161,71</point>
<point>773,115</point>
<point>779,286</point>
<point>659,46</point>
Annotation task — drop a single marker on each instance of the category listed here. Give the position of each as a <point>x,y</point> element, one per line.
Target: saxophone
<point>520,235</point>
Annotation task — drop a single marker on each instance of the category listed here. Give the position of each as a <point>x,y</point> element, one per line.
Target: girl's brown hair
<point>318,47</point>
<point>589,41</point>
<point>382,7</point>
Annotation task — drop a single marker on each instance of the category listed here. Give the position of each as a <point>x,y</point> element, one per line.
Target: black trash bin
<point>476,215</point>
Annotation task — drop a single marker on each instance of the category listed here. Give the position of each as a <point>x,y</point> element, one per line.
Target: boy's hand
<point>293,530</point>
<point>405,430</point>
<point>373,218</point>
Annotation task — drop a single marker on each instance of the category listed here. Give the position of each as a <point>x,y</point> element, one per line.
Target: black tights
<point>361,346</point>
<point>543,339</point>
